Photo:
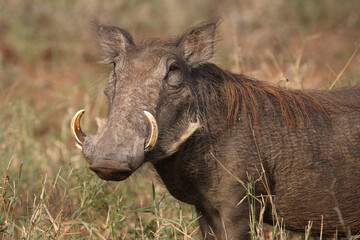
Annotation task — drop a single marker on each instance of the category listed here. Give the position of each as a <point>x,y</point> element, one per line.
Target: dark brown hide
<point>219,130</point>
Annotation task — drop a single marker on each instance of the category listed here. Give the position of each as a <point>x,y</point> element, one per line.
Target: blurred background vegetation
<point>49,69</point>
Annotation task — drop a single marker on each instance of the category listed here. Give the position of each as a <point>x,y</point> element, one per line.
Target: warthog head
<point>150,92</point>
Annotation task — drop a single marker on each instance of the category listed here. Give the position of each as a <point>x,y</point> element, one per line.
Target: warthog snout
<point>110,171</point>
<point>111,160</point>
<point>116,152</point>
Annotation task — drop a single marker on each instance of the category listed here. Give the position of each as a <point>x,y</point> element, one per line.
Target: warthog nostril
<point>109,172</point>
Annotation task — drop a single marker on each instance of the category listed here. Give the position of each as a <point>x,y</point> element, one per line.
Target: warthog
<point>209,133</point>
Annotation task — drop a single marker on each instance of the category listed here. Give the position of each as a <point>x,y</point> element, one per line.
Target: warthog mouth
<point>109,172</point>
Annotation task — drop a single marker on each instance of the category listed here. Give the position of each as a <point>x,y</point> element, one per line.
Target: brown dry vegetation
<point>49,69</point>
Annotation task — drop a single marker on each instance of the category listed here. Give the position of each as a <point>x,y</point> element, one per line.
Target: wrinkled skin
<point>312,169</point>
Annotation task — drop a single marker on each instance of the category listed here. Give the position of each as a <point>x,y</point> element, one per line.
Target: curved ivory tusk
<point>154,132</point>
<point>76,129</point>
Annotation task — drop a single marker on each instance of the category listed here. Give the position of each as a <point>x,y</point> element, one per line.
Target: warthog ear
<point>198,43</point>
<point>113,41</point>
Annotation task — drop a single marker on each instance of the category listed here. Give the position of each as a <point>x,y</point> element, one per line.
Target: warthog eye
<point>173,77</point>
<point>173,68</point>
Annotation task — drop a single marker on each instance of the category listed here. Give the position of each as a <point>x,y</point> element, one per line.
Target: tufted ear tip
<point>198,43</point>
<point>113,40</point>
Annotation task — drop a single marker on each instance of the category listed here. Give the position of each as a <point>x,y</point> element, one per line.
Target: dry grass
<point>48,69</point>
